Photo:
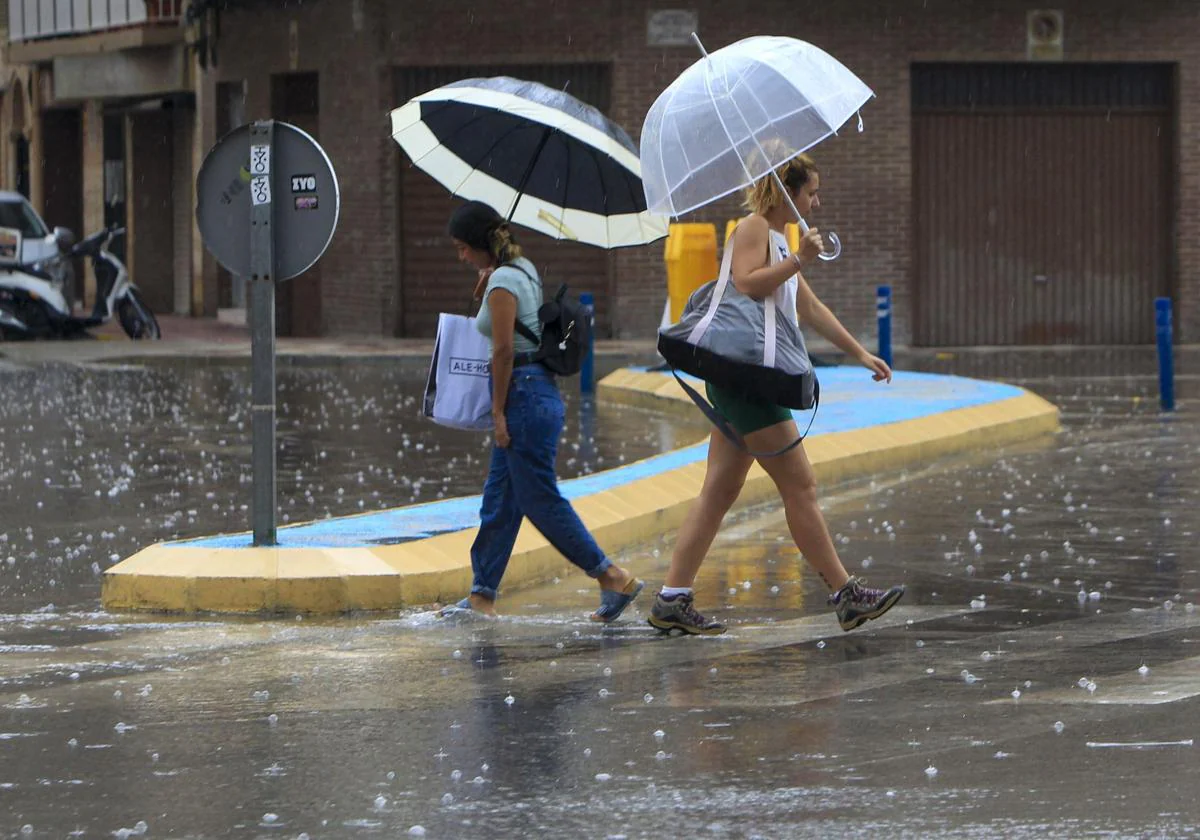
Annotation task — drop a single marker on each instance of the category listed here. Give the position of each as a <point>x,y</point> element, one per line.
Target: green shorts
<point>746,415</point>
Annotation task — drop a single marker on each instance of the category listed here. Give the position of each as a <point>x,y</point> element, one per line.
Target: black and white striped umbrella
<point>537,155</point>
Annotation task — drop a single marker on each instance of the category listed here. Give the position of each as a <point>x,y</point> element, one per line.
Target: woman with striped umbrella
<point>550,163</point>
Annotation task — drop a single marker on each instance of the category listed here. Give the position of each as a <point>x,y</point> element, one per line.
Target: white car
<point>40,246</point>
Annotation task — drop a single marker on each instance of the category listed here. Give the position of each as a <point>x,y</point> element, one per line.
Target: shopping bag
<point>458,391</point>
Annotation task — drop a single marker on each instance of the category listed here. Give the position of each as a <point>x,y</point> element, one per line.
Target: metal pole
<point>262,333</point>
<point>587,371</point>
<point>1166,361</point>
<point>883,318</point>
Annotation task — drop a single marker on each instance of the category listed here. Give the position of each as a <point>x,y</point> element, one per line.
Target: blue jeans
<point>521,483</point>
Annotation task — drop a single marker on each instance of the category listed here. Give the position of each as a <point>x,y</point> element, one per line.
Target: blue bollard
<point>587,371</point>
<point>1166,361</point>
<point>883,316</point>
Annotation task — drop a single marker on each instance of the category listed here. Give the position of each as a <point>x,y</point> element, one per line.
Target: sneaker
<point>677,613</point>
<point>857,603</point>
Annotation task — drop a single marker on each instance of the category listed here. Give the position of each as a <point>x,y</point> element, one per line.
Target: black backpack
<point>566,332</point>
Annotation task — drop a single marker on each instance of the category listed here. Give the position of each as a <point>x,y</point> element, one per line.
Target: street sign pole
<point>262,333</point>
<point>267,203</point>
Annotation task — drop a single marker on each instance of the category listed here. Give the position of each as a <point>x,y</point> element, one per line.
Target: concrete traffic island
<point>416,555</point>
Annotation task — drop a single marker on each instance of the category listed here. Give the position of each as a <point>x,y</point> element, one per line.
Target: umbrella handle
<point>832,237</point>
<point>836,242</point>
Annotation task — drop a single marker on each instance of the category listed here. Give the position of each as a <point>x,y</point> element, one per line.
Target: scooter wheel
<point>136,318</point>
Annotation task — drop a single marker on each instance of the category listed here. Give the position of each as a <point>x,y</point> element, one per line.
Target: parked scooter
<point>32,305</point>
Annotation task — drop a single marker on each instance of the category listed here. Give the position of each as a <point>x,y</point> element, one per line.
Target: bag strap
<point>520,327</point>
<point>528,333</point>
<point>731,433</point>
<point>701,327</point>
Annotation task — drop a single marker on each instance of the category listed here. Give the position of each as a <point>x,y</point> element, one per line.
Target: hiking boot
<point>677,613</point>
<point>857,603</point>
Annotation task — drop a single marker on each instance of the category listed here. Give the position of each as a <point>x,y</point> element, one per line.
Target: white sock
<point>672,591</point>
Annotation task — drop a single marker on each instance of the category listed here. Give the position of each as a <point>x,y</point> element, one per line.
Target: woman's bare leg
<point>727,468</point>
<point>793,476</point>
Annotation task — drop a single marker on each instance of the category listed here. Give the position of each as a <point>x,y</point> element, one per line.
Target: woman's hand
<point>502,437</point>
<point>811,246</point>
<point>877,366</point>
<point>481,283</point>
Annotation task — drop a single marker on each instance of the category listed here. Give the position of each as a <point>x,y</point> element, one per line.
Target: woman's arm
<point>503,306</point>
<point>752,271</point>
<point>812,311</point>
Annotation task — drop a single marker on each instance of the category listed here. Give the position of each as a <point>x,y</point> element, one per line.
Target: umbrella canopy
<point>735,115</point>
<point>537,155</point>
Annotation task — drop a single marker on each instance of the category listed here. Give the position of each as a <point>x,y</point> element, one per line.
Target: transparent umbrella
<point>737,114</point>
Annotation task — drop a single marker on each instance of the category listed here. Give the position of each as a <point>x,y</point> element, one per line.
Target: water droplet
<point>1059,726</point>
<point>1143,670</point>
<point>603,777</point>
<point>417,831</point>
<point>270,818</point>
<point>380,801</point>
<point>931,771</point>
<point>447,798</point>
<point>659,735</point>
<point>509,700</point>
<point>647,698</point>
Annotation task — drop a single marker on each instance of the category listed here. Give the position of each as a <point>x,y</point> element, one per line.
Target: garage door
<point>1042,202</point>
<point>432,280</point>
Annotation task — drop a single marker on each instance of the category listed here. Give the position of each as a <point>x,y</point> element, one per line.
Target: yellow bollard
<point>793,236</point>
<point>691,258</point>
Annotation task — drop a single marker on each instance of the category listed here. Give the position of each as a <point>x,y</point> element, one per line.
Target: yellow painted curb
<point>438,569</point>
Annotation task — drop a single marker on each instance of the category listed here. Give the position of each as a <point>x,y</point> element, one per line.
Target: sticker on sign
<point>260,160</point>
<point>260,190</point>
<point>304,183</point>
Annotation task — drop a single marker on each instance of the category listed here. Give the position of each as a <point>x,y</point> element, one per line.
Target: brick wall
<point>866,178</point>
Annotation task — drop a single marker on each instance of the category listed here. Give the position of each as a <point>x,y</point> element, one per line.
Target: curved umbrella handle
<point>833,238</point>
<point>836,242</point>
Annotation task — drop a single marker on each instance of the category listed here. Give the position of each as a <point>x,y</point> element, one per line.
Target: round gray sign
<point>294,176</point>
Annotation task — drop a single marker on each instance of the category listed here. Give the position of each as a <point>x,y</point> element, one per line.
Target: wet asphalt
<point>1039,679</point>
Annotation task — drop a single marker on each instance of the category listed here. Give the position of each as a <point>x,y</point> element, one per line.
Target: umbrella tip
<point>696,38</point>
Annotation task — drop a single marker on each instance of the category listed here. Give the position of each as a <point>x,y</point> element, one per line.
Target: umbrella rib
<point>562,217</point>
<point>724,127</point>
<point>537,153</point>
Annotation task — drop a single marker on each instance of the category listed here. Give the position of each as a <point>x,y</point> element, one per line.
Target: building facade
<point>1025,176</point>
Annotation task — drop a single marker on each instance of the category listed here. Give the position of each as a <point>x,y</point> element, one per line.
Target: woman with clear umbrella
<point>741,118</point>
<point>764,266</point>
